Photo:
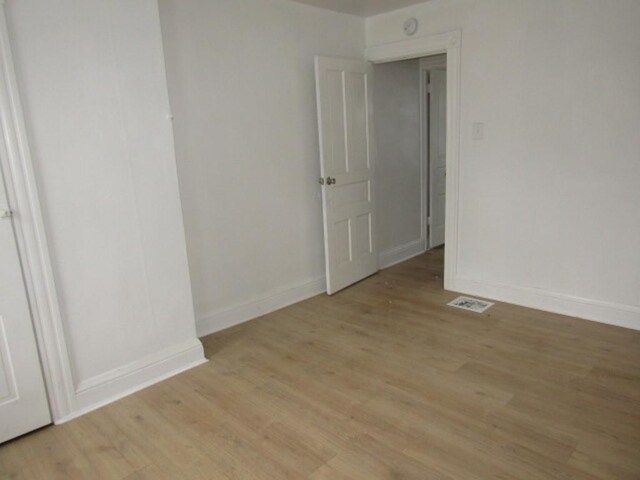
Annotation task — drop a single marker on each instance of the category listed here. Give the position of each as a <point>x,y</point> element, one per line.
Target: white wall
<point>91,74</point>
<point>242,89</point>
<point>396,106</point>
<point>549,199</point>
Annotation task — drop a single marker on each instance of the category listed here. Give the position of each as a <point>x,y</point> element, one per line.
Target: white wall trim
<point>627,316</point>
<point>433,63</point>
<point>31,238</point>
<point>448,43</point>
<point>107,387</point>
<point>401,253</point>
<point>229,316</point>
<point>413,48</point>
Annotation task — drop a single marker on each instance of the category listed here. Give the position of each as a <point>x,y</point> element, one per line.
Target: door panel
<point>437,155</point>
<point>344,122</point>
<point>336,154</point>
<point>23,400</point>
<point>356,112</point>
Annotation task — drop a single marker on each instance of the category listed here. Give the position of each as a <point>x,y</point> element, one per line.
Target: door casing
<point>448,43</point>
<point>31,239</point>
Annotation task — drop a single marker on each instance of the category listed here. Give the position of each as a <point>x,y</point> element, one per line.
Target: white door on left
<point>23,399</point>
<point>346,144</point>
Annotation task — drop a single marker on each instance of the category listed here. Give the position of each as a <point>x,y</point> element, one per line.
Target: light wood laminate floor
<point>381,381</point>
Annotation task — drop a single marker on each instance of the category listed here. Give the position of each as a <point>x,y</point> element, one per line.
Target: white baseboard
<point>120,382</point>
<point>627,316</point>
<point>257,306</point>
<point>401,253</point>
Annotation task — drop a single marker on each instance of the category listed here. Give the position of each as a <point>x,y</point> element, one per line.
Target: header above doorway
<point>363,8</point>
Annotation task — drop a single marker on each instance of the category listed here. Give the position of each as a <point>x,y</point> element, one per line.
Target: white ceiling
<point>364,8</point>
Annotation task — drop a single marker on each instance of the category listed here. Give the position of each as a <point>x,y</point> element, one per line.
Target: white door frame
<point>448,43</point>
<point>31,238</point>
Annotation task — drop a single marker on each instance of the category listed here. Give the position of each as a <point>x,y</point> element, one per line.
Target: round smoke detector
<point>410,26</point>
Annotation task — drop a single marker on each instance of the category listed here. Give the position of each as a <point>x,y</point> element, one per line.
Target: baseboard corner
<point>227,317</point>
<point>401,253</point>
<point>110,386</point>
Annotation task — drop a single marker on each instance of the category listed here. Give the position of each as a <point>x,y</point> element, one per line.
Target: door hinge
<point>6,214</point>
<point>428,221</point>
<point>429,87</point>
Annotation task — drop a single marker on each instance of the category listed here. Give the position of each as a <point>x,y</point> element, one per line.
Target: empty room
<point>320,239</point>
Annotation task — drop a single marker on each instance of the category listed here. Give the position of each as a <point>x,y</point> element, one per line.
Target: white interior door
<point>437,155</point>
<point>346,147</point>
<point>23,400</point>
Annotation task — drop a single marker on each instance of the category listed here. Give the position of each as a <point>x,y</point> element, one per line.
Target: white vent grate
<point>472,304</point>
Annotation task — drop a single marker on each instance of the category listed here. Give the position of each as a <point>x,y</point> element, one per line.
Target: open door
<point>437,155</point>
<point>346,151</point>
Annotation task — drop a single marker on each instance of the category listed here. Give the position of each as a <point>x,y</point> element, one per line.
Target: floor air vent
<point>472,304</point>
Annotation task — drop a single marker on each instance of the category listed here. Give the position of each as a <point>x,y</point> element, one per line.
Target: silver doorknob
<point>6,213</point>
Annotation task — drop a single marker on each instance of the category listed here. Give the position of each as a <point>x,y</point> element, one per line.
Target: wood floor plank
<point>380,381</point>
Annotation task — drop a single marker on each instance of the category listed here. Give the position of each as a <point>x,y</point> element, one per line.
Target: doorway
<point>409,103</point>
<point>347,160</point>
<point>443,43</point>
